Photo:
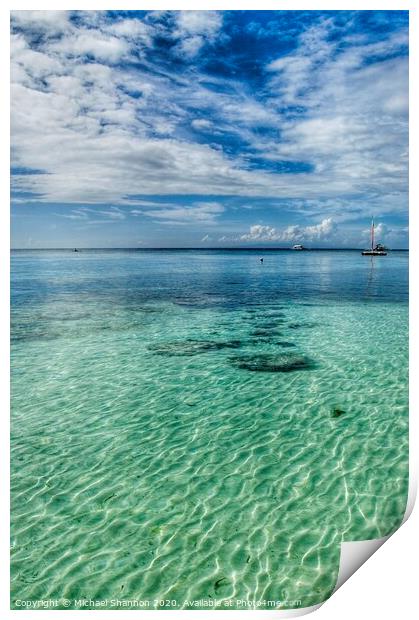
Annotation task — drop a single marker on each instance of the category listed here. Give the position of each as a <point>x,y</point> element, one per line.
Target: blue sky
<point>209,129</point>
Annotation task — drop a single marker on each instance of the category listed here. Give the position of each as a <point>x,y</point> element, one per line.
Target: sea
<point>197,428</point>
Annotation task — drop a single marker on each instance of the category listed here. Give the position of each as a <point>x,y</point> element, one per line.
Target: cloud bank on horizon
<point>206,128</point>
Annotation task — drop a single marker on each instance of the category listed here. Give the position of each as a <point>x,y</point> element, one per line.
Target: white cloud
<point>196,28</point>
<point>104,133</point>
<point>47,22</point>
<point>324,231</point>
<point>206,23</point>
<point>392,236</point>
<point>199,212</point>
<point>191,45</point>
<point>131,29</point>
<point>201,123</point>
<point>29,65</point>
<point>261,233</point>
<point>75,214</point>
<point>355,127</point>
<point>99,46</point>
<point>113,213</point>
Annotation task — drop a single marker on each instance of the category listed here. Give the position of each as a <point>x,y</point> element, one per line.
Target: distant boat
<point>376,250</point>
<point>298,246</point>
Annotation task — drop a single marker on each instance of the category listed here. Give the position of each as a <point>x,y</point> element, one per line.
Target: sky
<point>208,128</point>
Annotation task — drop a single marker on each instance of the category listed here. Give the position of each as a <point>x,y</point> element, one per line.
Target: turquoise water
<point>197,428</point>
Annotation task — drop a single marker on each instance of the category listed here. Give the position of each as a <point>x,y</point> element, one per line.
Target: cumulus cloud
<point>383,233</point>
<point>261,233</point>
<point>324,231</point>
<point>47,22</point>
<point>93,126</point>
<point>196,28</point>
<point>206,23</point>
<point>104,130</point>
<point>104,48</point>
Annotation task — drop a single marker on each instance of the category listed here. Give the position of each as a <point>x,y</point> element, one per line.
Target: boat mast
<point>372,234</point>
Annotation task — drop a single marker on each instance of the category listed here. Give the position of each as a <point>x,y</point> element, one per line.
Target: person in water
<point>261,260</point>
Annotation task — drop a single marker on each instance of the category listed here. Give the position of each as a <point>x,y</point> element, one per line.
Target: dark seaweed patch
<point>148,309</point>
<point>271,362</point>
<point>300,325</point>
<point>270,324</point>
<point>268,340</point>
<point>266,332</point>
<point>220,583</point>
<point>191,347</point>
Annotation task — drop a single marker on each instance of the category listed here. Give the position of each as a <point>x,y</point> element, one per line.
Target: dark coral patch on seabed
<point>191,347</point>
<point>271,362</point>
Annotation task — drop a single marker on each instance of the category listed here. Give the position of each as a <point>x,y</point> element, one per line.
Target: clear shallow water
<point>196,426</point>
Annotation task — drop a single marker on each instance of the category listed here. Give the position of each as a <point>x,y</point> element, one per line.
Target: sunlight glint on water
<point>195,425</point>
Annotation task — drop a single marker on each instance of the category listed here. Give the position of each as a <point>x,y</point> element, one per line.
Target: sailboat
<point>378,250</point>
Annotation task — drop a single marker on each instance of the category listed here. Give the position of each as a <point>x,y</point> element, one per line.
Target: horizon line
<point>230,249</point>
